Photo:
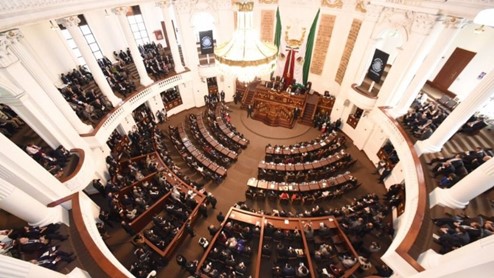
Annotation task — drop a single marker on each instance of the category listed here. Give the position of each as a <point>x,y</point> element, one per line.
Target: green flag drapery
<point>277,34</point>
<point>308,49</point>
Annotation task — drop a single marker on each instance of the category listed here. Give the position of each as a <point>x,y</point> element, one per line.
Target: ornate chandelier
<point>245,56</point>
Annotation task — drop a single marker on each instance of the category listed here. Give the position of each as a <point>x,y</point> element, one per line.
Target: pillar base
<point>422,147</point>
<point>442,197</point>
<point>179,68</point>
<point>115,101</point>
<point>429,259</point>
<point>146,81</point>
<point>55,215</point>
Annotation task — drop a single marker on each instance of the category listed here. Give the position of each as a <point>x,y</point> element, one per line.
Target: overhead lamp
<point>485,17</point>
<point>245,56</point>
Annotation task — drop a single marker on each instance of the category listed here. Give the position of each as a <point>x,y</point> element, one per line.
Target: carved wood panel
<point>323,38</point>
<point>350,43</point>
<point>267,25</point>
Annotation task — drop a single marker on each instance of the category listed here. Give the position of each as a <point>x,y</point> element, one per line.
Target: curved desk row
<point>212,141</point>
<point>341,156</point>
<point>303,147</point>
<point>199,156</point>
<point>301,187</point>
<point>219,113</point>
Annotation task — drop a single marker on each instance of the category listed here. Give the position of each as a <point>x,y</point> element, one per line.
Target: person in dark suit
<point>473,124</point>
<point>445,168</point>
<point>250,109</point>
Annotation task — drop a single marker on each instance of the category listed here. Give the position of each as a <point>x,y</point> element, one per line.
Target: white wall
<point>107,31</point>
<point>483,61</point>
<point>153,15</point>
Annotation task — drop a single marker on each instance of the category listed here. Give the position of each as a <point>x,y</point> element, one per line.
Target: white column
<point>17,268</point>
<point>170,33</point>
<point>20,51</point>
<point>27,99</point>
<point>407,61</point>
<point>458,116</point>
<point>471,186</point>
<point>183,14</point>
<point>155,104</point>
<point>451,28</point>
<point>360,50</point>
<point>129,37</point>
<point>128,124</point>
<point>18,168</point>
<point>20,204</point>
<point>72,25</point>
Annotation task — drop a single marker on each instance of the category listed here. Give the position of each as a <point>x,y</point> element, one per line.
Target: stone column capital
<point>163,3</point>
<point>423,23</point>
<point>7,58</point>
<point>183,6</point>
<point>70,21</point>
<point>454,22</point>
<point>373,12</point>
<point>14,35</point>
<point>122,11</point>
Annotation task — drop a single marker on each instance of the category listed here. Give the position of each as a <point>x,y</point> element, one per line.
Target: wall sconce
<point>484,18</point>
<point>53,26</point>
<point>479,30</point>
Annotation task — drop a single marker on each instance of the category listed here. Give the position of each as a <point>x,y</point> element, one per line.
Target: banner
<point>292,36</point>
<point>206,41</point>
<point>376,68</point>
<point>308,49</point>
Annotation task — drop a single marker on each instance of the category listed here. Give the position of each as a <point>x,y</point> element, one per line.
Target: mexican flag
<point>295,37</point>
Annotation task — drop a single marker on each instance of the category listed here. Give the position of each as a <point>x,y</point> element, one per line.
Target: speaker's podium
<point>277,108</point>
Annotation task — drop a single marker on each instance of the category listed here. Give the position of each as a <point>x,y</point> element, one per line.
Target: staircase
<point>309,109</point>
<point>248,98</point>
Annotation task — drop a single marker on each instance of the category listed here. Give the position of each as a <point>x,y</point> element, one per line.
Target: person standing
<point>189,229</point>
<point>220,217</point>
<point>212,200</point>
<point>250,109</point>
<point>222,96</point>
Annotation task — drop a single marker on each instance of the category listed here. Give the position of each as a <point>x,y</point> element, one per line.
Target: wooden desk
<point>212,141</point>
<point>199,156</point>
<point>219,113</point>
<point>276,108</point>
<point>339,180</point>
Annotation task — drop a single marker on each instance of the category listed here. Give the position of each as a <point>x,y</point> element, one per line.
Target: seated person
<point>444,168</point>
<point>473,124</point>
<point>302,270</point>
<point>448,181</point>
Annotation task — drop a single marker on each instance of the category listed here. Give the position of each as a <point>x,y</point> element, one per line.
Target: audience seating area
<point>283,246</point>
<point>38,245</point>
<point>423,119</point>
<point>455,231</point>
<point>449,170</point>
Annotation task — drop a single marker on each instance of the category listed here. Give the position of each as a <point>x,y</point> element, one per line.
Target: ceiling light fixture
<point>245,56</point>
